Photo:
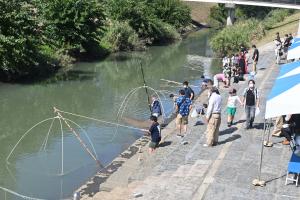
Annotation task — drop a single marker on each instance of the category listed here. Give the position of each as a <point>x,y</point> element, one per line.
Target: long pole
<point>145,86</point>
<point>78,137</point>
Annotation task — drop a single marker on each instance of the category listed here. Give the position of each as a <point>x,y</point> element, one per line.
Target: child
<point>154,132</point>
<point>231,106</point>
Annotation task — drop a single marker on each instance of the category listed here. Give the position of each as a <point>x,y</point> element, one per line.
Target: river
<point>49,162</point>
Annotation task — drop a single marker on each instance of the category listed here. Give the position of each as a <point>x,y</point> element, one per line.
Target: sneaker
<point>206,145</point>
<point>228,124</point>
<point>179,135</point>
<point>184,142</point>
<point>285,142</point>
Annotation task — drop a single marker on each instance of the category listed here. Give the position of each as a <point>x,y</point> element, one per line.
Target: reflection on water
<point>43,166</point>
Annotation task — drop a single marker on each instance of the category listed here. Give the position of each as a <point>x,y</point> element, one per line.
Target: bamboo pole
<point>78,137</point>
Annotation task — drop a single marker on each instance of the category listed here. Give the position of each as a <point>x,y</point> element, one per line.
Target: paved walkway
<point>226,171</point>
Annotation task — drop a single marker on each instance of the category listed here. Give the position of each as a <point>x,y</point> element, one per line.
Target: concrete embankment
<point>191,171</point>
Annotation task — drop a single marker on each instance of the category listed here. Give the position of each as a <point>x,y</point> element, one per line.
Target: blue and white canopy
<point>294,49</point>
<point>285,95</point>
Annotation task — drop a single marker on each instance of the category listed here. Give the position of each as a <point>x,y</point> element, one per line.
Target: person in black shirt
<point>154,132</point>
<point>290,39</point>
<point>286,43</point>
<point>278,37</point>
<point>189,93</point>
<point>251,103</point>
<point>255,57</point>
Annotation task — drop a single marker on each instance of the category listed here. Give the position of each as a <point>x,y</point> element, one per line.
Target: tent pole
<point>268,143</point>
<point>259,182</point>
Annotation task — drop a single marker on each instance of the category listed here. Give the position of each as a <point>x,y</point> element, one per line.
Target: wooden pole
<point>146,89</point>
<point>78,137</point>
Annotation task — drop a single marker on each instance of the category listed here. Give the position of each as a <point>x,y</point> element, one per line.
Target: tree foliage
<point>230,39</point>
<point>19,38</point>
<point>39,34</point>
<point>217,16</point>
<point>153,20</point>
<point>73,25</point>
<point>172,12</point>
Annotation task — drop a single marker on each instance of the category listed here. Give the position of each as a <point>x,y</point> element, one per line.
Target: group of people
<point>237,66</point>
<point>285,125</point>
<point>183,107</point>
<point>282,45</point>
<point>250,100</point>
<point>234,67</point>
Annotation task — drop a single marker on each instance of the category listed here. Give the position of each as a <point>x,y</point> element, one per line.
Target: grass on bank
<point>288,25</point>
<point>247,32</point>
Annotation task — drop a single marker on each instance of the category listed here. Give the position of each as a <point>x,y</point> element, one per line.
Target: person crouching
<point>155,134</point>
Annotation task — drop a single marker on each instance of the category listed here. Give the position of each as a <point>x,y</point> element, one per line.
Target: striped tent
<point>285,95</point>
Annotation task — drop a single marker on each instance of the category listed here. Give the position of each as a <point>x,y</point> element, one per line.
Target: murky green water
<point>97,90</point>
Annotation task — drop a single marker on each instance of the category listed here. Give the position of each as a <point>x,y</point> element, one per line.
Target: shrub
<point>151,20</point>
<point>228,40</point>
<point>217,16</point>
<point>19,39</point>
<point>164,32</point>
<point>120,36</point>
<point>244,12</point>
<point>73,25</point>
<point>173,12</point>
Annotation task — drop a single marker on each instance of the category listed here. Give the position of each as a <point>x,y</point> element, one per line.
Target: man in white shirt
<point>213,118</point>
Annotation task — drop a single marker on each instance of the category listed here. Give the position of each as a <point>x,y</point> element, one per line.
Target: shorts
<point>153,145</point>
<point>182,120</point>
<point>231,111</point>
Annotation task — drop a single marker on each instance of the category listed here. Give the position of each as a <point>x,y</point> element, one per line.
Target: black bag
<point>235,79</point>
<point>192,92</point>
<point>241,78</point>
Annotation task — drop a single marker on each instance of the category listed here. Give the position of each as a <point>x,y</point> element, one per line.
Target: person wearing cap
<point>213,117</point>
<point>231,106</point>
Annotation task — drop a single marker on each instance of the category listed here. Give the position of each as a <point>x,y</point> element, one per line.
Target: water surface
<point>53,167</point>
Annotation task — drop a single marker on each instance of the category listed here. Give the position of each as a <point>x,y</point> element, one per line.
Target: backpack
<point>192,92</point>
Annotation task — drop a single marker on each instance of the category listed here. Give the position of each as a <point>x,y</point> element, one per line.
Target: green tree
<point>217,16</point>
<point>75,26</point>
<point>173,12</point>
<point>258,12</point>
<point>19,39</point>
<point>146,18</point>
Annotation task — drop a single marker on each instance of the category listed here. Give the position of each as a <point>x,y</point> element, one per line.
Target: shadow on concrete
<point>274,179</point>
<point>259,126</point>
<point>228,131</point>
<point>199,123</point>
<point>165,143</point>
<point>239,122</point>
<point>230,139</point>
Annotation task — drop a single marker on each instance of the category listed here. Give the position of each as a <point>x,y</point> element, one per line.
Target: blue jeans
<point>250,115</point>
